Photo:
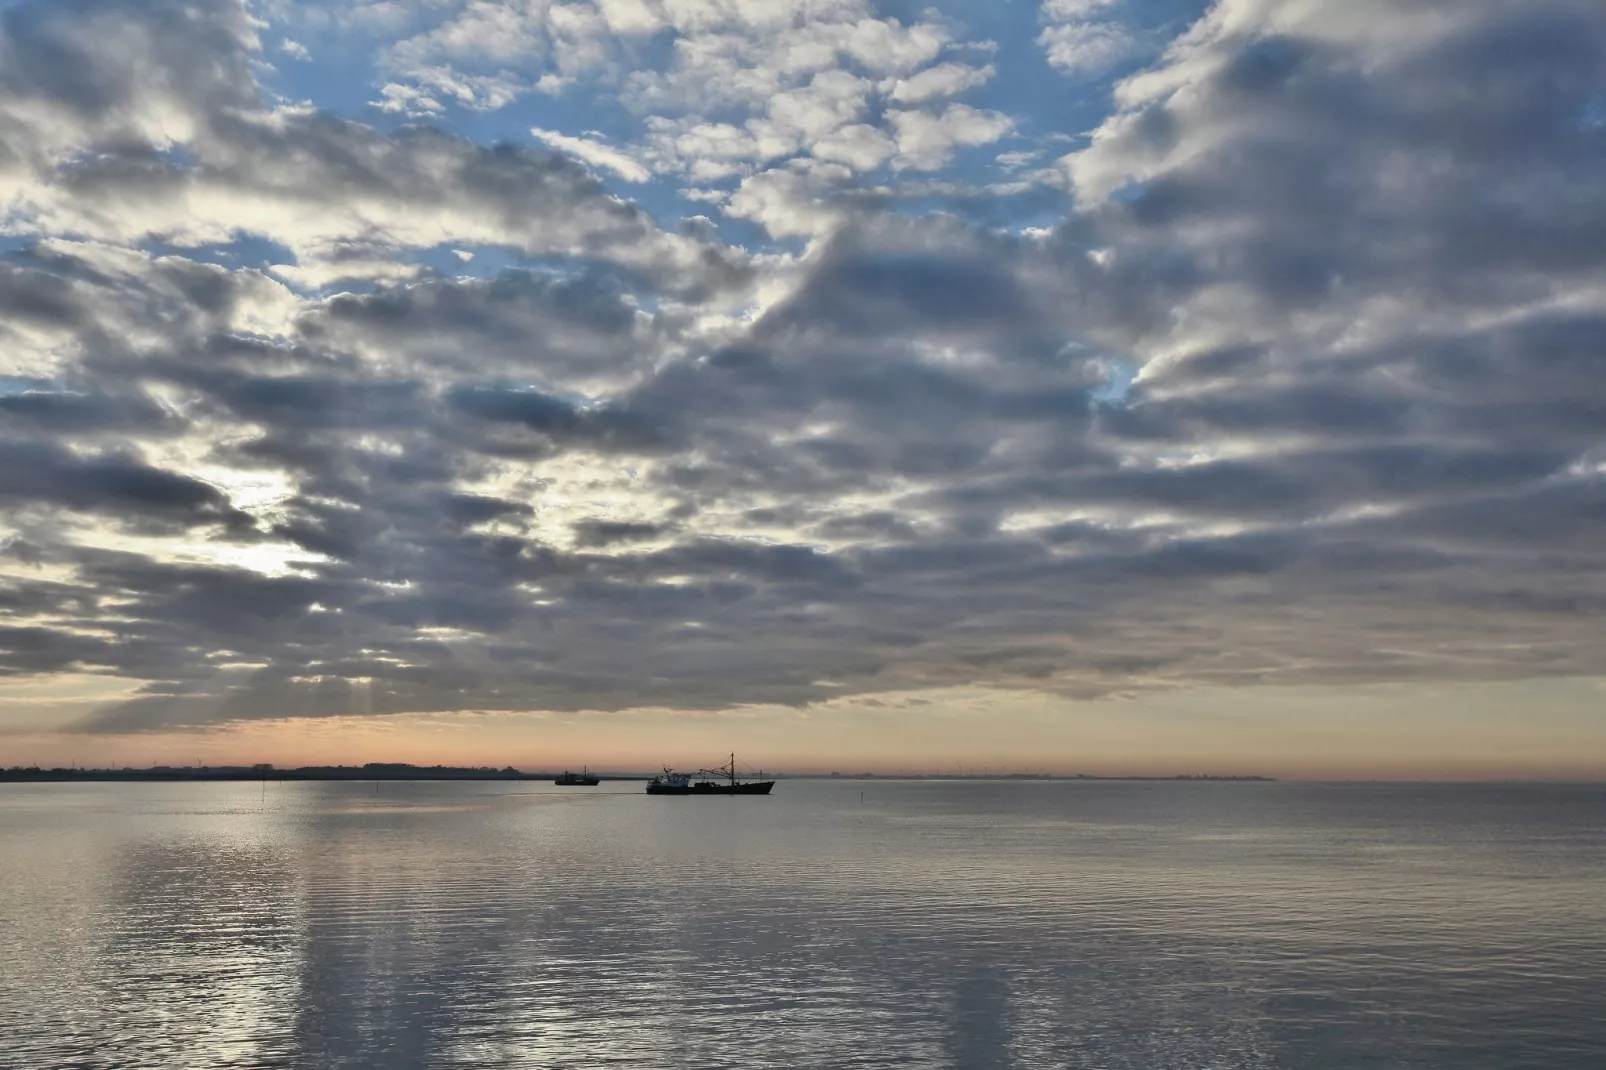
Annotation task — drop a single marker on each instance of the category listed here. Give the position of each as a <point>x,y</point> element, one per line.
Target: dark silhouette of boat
<point>721,781</point>
<point>582,779</point>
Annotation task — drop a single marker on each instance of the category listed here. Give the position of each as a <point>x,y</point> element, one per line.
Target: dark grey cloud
<point>471,509</point>
<point>585,327</point>
<point>593,533</point>
<point>44,650</point>
<point>72,411</point>
<point>35,472</point>
<point>102,70</point>
<point>610,426</point>
<point>37,299</point>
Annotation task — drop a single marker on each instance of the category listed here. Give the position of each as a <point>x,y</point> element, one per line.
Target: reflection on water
<point>965,924</point>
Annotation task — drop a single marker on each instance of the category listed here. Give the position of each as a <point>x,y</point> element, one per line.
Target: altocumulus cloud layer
<point>692,354</point>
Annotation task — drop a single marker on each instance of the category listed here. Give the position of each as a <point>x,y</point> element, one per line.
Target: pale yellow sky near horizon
<point>1541,729</point>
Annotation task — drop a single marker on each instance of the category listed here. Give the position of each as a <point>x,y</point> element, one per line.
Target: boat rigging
<point>721,781</point>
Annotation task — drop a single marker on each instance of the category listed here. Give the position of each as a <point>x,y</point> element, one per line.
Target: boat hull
<point>756,787</point>
<point>572,781</point>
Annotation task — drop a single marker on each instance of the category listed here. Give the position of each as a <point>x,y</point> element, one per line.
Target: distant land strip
<point>404,771</point>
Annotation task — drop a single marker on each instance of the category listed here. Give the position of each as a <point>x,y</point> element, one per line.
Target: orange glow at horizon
<point>1440,731</point>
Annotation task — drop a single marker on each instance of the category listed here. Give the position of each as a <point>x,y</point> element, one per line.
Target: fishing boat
<point>582,779</point>
<point>721,781</point>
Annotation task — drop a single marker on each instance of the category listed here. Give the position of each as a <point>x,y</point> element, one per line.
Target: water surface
<point>932,924</point>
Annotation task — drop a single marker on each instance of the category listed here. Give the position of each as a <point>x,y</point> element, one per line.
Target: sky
<point>1149,387</point>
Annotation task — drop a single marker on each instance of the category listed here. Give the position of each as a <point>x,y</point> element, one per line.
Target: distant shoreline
<point>397,771</point>
<point>337,772</point>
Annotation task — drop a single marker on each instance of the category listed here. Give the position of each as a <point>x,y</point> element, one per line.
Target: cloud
<point>943,80</point>
<point>1299,384</point>
<point>37,472</point>
<point>1081,37</point>
<point>585,330</point>
<point>596,153</point>
<point>310,182</point>
<point>190,155</point>
<point>72,412</point>
<point>731,90</point>
<point>1085,46</point>
<point>859,146</point>
<point>719,53</point>
<point>797,200</point>
<point>926,139</point>
<point>596,533</point>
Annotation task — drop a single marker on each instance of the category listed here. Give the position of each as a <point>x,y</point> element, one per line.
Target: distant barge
<point>582,779</point>
<point>722,781</point>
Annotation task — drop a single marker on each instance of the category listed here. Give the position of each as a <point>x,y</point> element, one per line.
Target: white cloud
<point>743,84</point>
<point>314,273</point>
<point>429,85</point>
<point>1013,160</point>
<point>884,46</point>
<point>481,33</point>
<point>596,153</point>
<point>1081,38</point>
<point>791,202</point>
<point>817,118</point>
<point>706,196</point>
<point>398,98</point>
<point>632,17</point>
<point>720,51</point>
<point>1086,47</point>
<point>926,140</point>
<point>943,80</point>
<point>860,146</point>
<point>1071,10</point>
<point>707,152</point>
<point>830,100</point>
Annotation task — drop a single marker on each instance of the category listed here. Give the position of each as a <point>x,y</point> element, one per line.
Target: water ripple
<point>936,925</point>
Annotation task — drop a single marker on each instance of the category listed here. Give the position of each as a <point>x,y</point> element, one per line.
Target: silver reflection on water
<point>941,924</point>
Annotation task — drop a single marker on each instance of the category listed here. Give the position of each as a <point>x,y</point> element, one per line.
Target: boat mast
<point>733,769</point>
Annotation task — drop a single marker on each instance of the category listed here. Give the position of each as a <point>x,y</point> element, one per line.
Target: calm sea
<point>929,924</point>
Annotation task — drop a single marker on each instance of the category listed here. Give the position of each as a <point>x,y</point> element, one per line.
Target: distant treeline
<point>264,771</point>
<point>405,771</point>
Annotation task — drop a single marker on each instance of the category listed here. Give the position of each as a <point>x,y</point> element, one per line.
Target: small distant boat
<point>721,781</point>
<point>582,779</point>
